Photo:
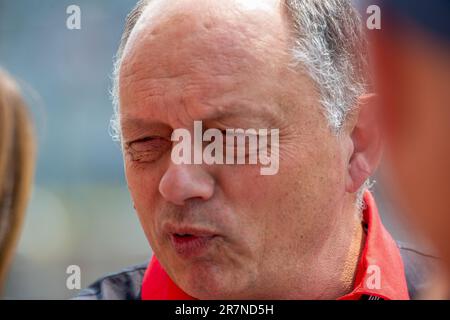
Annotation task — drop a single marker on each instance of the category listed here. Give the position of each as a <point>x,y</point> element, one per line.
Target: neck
<point>346,245</point>
<point>352,258</point>
<point>330,271</point>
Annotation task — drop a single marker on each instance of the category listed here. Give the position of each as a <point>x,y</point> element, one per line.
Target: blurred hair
<point>16,167</point>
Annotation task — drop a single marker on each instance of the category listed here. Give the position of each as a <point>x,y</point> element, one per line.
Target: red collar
<point>380,258</point>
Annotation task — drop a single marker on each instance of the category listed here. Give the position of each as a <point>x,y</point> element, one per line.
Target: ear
<point>365,138</point>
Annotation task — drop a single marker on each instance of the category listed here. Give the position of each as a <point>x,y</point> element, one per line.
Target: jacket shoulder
<point>123,285</point>
<point>419,267</point>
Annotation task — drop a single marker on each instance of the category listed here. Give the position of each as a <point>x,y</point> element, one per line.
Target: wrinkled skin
<point>291,235</point>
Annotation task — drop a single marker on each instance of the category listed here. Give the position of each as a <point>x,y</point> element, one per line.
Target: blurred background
<point>80,212</point>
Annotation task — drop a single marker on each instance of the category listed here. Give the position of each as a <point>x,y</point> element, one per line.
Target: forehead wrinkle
<point>215,55</point>
<point>201,97</point>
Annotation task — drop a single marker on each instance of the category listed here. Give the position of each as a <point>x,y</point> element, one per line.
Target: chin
<point>207,282</point>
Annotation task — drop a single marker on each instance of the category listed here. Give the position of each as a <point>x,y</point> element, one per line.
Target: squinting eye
<point>149,144</point>
<point>148,149</point>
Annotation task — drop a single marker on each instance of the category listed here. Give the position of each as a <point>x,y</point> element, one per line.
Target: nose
<point>183,182</point>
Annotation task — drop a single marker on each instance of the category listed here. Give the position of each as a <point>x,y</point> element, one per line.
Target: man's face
<point>225,231</point>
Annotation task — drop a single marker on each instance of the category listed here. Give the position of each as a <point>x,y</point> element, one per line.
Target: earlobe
<point>367,147</point>
<point>358,172</point>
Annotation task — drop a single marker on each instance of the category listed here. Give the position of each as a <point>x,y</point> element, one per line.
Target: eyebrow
<point>131,123</point>
<point>227,115</point>
<point>138,126</point>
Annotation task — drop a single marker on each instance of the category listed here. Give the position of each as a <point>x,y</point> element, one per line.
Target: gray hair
<point>329,44</point>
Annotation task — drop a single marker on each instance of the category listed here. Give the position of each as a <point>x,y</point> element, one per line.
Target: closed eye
<point>147,143</point>
<point>148,149</point>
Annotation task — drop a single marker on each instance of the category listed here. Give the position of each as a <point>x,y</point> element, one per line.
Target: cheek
<point>143,185</point>
<point>142,181</point>
<point>239,188</point>
<point>311,185</point>
<point>295,202</point>
<point>314,173</point>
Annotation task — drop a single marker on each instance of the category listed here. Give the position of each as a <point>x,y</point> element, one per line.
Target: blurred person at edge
<point>312,231</point>
<point>412,55</point>
<point>16,168</point>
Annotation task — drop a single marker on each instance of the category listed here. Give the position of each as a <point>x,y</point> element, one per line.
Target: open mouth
<point>184,238</point>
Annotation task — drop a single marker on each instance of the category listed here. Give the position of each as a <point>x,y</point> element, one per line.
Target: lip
<point>189,242</point>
